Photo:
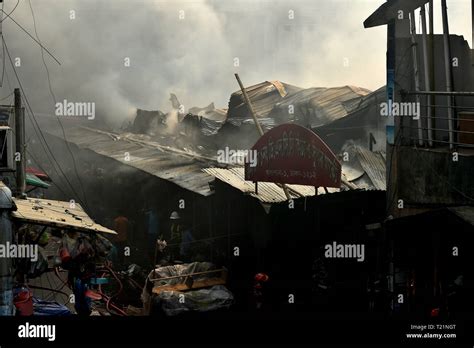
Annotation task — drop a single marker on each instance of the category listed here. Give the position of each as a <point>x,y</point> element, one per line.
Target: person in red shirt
<point>120,240</point>
<point>121,227</point>
<point>259,290</point>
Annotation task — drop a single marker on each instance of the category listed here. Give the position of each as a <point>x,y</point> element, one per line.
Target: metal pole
<point>20,145</point>
<point>416,73</point>
<point>432,61</point>
<point>431,17</point>
<point>448,71</point>
<point>427,73</point>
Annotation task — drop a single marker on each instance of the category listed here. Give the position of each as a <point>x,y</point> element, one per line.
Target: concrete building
<point>430,160</point>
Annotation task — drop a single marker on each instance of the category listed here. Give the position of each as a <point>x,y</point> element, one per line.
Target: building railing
<point>456,137</point>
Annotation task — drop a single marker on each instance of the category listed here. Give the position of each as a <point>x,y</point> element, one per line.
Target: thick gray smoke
<point>190,48</point>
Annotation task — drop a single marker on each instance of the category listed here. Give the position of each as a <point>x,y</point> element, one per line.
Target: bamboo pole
<point>259,128</point>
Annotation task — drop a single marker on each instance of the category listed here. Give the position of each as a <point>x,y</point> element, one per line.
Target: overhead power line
<point>38,130</point>
<point>31,36</point>
<point>14,8</point>
<point>54,101</point>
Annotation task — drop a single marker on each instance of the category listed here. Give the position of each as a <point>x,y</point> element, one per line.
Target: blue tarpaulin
<point>42,308</point>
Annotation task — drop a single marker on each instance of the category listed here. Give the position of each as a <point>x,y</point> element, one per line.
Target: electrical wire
<point>56,271</point>
<point>108,299</point>
<point>6,72</point>
<point>8,96</point>
<point>31,36</point>
<point>109,304</point>
<point>30,155</point>
<point>54,100</point>
<point>117,279</point>
<point>37,129</point>
<point>37,164</point>
<point>48,289</point>
<point>14,8</point>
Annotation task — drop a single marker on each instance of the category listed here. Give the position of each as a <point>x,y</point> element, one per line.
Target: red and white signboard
<point>291,154</point>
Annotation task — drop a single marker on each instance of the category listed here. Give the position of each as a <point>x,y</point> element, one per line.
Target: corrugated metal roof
<point>183,168</point>
<point>266,123</point>
<point>263,97</point>
<point>366,171</point>
<point>58,214</point>
<point>318,106</point>
<point>315,106</point>
<point>356,115</point>
<point>209,112</point>
<point>210,118</point>
<point>373,164</point>
<point>364,168</point>
<point>208,127</point>
<point>267,192</point>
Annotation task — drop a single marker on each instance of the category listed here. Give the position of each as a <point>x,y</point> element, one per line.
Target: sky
<point>124,55</point>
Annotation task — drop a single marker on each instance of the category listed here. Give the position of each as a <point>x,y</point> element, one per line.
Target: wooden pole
<point>259,128</point>
<point>249,105</point>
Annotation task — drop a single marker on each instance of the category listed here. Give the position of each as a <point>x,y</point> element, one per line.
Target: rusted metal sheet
<point>280,87</point>
<point>66,215</point>
<point>291,154</point>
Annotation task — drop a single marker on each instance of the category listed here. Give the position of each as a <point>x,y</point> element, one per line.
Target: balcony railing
<point>431,136</point>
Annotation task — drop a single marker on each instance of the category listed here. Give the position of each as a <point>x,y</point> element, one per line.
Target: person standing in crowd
<point>121,226</point>
<point>179,239</point>
<point>152,228</point>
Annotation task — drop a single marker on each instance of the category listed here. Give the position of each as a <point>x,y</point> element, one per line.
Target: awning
<point>38,173</point>
<point>56,214</point>
<point>33,180</point>
<point>389,11</point>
